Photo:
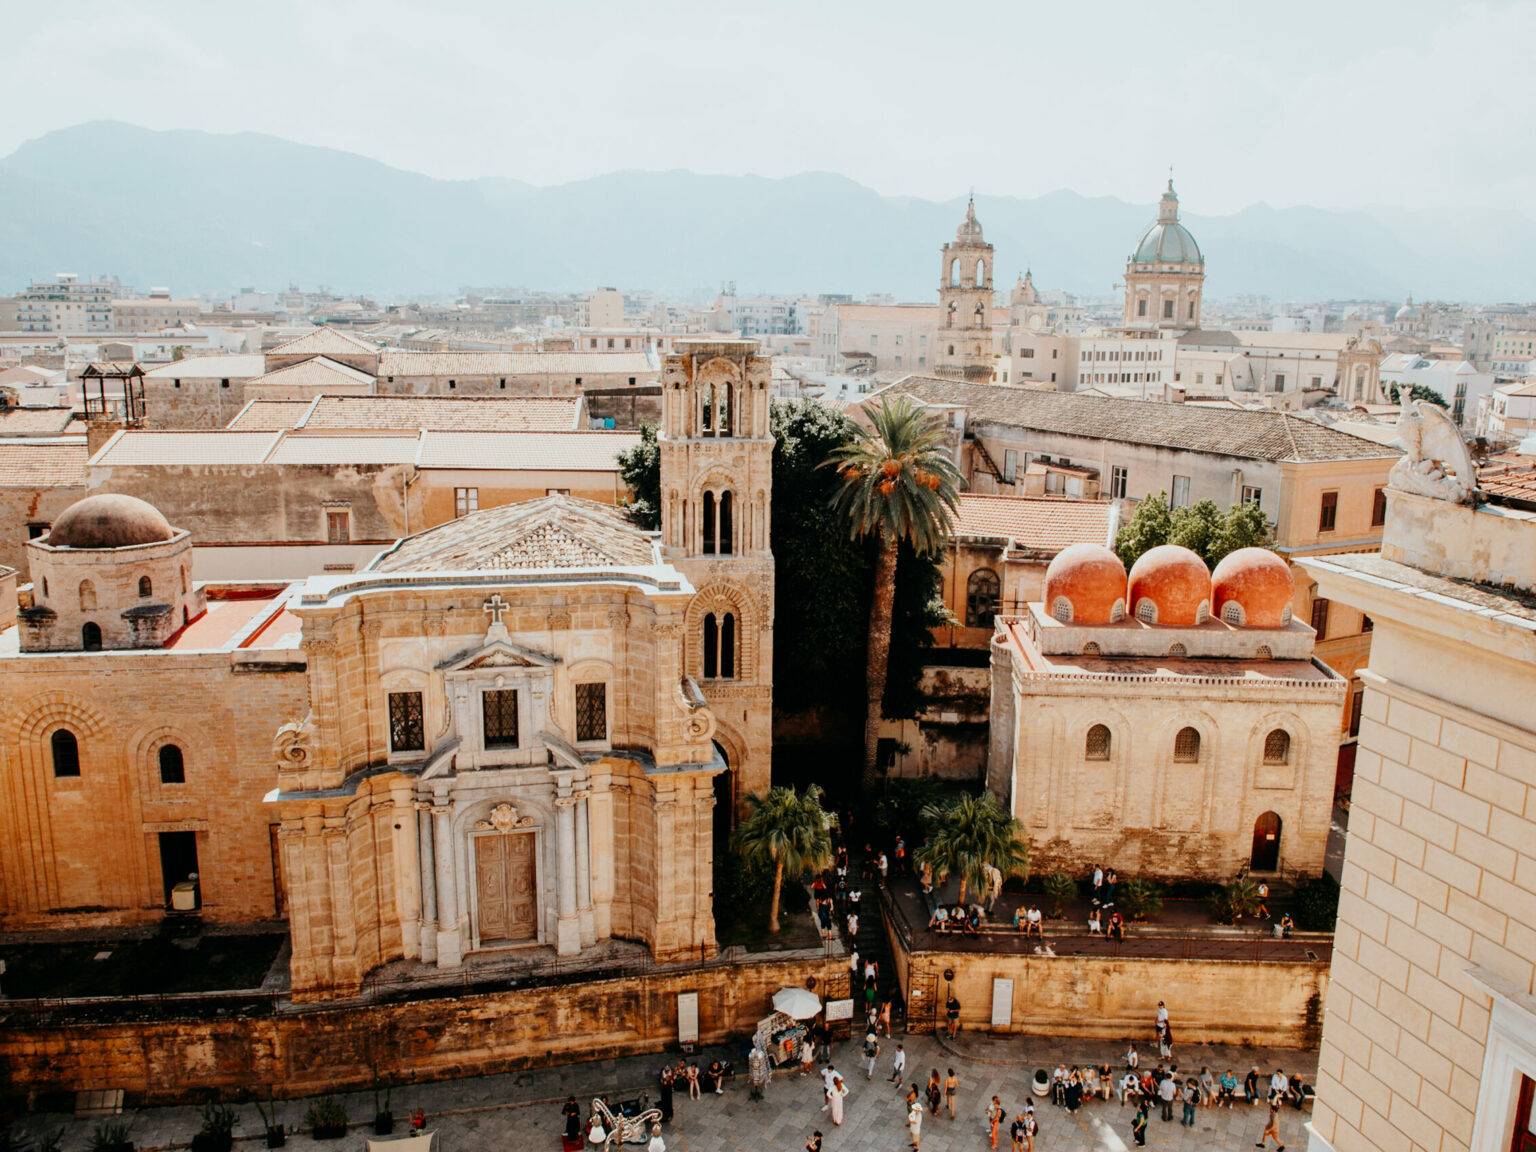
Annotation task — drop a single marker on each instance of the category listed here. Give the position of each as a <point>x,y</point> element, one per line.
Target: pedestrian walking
<point>952,1015</point>
<point>883,866</point>
<point>885,1019</point>
<point>807,1055</point>
<point>1191,1097</point>
<point>1132,1057</point>
<point>1031,1130</point>
<point>853,925</point>
<point>915,1123</point>
<point>668,1078</point>
<point>1272,1126</point>
<point>898,1065</point>
<point>951,1088</point>
<point>1262,911</point>
<point>995,1112</point>
<point>829,1076</point>
<point>871,1054</point>
<point>814,1143</point>
<point>935,1092</point>
<point>1139,1125</point>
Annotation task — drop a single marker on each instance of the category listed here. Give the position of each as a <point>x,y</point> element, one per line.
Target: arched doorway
<point>1266,844</point>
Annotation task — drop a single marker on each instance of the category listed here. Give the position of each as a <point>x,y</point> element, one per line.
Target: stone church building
<point>524,728</point>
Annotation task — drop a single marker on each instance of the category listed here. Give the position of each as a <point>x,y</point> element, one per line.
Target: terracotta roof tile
<point>42,463</point>
<point>447,413</point>
<point>321,342</point>
<point>1037,523</point>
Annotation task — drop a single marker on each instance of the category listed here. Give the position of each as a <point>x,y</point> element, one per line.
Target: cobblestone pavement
<point>520,1112</point>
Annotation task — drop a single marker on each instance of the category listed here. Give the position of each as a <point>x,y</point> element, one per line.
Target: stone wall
<point>306,1052</point>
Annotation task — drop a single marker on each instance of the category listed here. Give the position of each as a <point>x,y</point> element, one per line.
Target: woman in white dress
<point>835,1098</point>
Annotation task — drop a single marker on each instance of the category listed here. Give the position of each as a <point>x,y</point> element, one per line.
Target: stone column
<point>428,882</point>
<point>450,945</point>
<point>568,924</point>
<point>584,872</point>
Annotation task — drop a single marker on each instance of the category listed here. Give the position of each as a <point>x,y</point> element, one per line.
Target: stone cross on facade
<point>494,607</point>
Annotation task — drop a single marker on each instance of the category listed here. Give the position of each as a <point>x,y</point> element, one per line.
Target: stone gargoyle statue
<point>1436,462</point>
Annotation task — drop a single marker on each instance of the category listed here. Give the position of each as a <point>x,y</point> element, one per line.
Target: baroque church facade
<point>526,728</point>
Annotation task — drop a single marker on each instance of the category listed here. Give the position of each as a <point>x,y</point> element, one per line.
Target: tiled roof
<point>558,451</point>
<point>343,449</point>
<point>270,415</point>
<point>314,375</point>
<point>555,532</point>
<point>1038,523</point>
<point>637,364</point>
<point>24,374</point>
<point>447,413</point>
<point>239,366</point>
<point>323,342</point>
<point>42,463</point>
<point>1249,434</point>
<point>1509,478</point>
<point>139,446</point>
<point>34,421</point>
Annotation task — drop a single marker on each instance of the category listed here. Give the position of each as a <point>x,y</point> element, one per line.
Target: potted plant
<point>326,1117</point>
<point>218,1131</point>
<point>383,1118</point>
<point>275,1135</point>
<point>111,1138</point>
<point>1059,888</point>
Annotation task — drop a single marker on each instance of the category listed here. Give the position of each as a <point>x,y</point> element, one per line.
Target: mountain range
<point>203,212</point>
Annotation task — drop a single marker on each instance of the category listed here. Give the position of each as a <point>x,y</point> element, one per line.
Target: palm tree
<point>968,834</point>
<point>786,831</point>
<point>900,487</point>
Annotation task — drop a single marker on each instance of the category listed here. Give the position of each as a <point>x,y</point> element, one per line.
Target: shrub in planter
<point>1058,888</point>
<point>1138,899</point>
<point>276,1137</point>
<point>327,1118</point>
<point>1231,902</point>
<point>111,1138</point>
<point>218,1131</point>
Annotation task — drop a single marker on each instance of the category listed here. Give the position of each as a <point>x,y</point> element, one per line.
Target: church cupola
<point>1165,275</point>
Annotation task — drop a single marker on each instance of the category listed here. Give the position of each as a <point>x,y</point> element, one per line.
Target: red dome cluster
<point>1258,586</point>
<point>1091,580</point>
<point>1175,582</point>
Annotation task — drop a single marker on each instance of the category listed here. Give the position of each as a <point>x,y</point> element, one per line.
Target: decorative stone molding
<point>503,818</point>
<point>294,745</point>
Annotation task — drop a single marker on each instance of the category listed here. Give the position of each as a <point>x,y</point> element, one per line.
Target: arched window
<point>981,273</point>
<point>981,597</point>
<point>954,271</point>
<point>727,409</point>
<point>1177,651</point>
<point>719,640</point>
<point>1203,612</point>
<point>1146,610</point>
<point>173,768</point>
<point>1117,612</point>
<point>711,647</point>
<point>1186,746</point>
<point>1277,747</point>
<point>1097,745</point>
<point>183,581</point>
<point>1090,649</point>
<point>90,636</point>
<point>1232,613</point>
<point>707,407</point>
<point>1264,653</point>
<point>146,589</point>
<point>728,647</point>
<point>66,752</point>
<point>710,538</point>
<point>1061,610</point>
<point>87,596</point>
<point>725,523</point>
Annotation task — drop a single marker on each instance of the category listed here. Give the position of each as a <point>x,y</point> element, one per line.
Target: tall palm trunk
<point>778,887</point>
<point>880,609</point>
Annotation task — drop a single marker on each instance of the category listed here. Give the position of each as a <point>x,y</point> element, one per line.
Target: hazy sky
<point>1418,103</point>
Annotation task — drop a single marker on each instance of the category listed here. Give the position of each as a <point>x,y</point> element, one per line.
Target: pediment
<point>499,654</point>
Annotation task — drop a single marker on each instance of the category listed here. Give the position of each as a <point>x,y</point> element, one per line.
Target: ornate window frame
<point>498,666</point>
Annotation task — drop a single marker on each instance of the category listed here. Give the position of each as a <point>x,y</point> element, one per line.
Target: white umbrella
<point>796,1002</point>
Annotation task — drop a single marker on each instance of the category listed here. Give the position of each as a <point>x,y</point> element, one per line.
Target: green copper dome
<point>1167,241</point>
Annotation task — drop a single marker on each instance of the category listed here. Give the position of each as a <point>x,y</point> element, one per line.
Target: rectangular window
<point>338,529</point>
<point>1252,495</point>
<point>592,711</point>
<point>1167,309</point>
<point>1180,491</point>
<point>1379,508</point>
<point>406,731</point>
<point>465,501</point>
<point>1279,381</point>
<point>498,712</point>
<point>1117,483</point>
<point>1355,702</point>
<point>1141,307</point>
<point>1320,617</point>
<point>1328,514</point>
<point>1010,466</point>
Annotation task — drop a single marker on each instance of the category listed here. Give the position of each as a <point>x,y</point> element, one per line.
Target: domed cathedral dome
<point>1085,584</point>
<point>109,521</point>
<point>1170,585</point>
<point>965,303</point>
<point>1165,275</point>
<point>1253,588</point>
<point>1409,311</point>
<point>111,573</point>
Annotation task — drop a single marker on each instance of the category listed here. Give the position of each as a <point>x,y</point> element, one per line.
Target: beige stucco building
<point>1429,1041</point>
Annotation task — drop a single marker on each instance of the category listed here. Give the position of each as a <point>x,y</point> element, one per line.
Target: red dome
<point>1176,581</point>
<point>1257,581</point>
<point>1091,579</point>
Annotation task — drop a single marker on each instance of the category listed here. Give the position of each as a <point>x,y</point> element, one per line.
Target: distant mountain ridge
<point>201,212</point>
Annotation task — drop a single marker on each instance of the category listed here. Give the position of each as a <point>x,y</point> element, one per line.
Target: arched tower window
<point>1096,747</point>
<point>146,589</point>
<point>728,646</point>
<point>726,511</point>
<point>954,271</point>
<point>1146,610</point>
<point>981,273</point>
<point>1186,746</point>
<point>707,408</point>
<point>173,769</point>
<point>1277,747</point>
<point>727,410</point>
<point>710,540</point>
<point>65,750</point>
<point>87,596</point>
<point>1232,613</point>
<point>981,598</point>
<point>719,640</point>
<point>90,636</point>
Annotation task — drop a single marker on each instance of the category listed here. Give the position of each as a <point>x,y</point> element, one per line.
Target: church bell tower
<point>965,301</point>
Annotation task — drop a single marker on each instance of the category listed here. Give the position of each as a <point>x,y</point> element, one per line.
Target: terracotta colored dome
<point>1257,581</point>
<point>109,521</point>
<point>1176,581</point>
<point>1091,579</point>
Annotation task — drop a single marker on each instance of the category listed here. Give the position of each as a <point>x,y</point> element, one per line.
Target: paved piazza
<point>521,1112</point>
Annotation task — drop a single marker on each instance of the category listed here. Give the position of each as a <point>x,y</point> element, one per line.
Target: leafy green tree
<point>787,831</point>
<point>1415,392</point>
<point>640,469</point>
<point>966,835</point>
<point>1138,899</point>
<point>1201,527</point>
<point>899,487</point>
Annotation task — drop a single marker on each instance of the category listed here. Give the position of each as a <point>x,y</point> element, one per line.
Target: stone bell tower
<point>716,449</point>
<point>965,300</point>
